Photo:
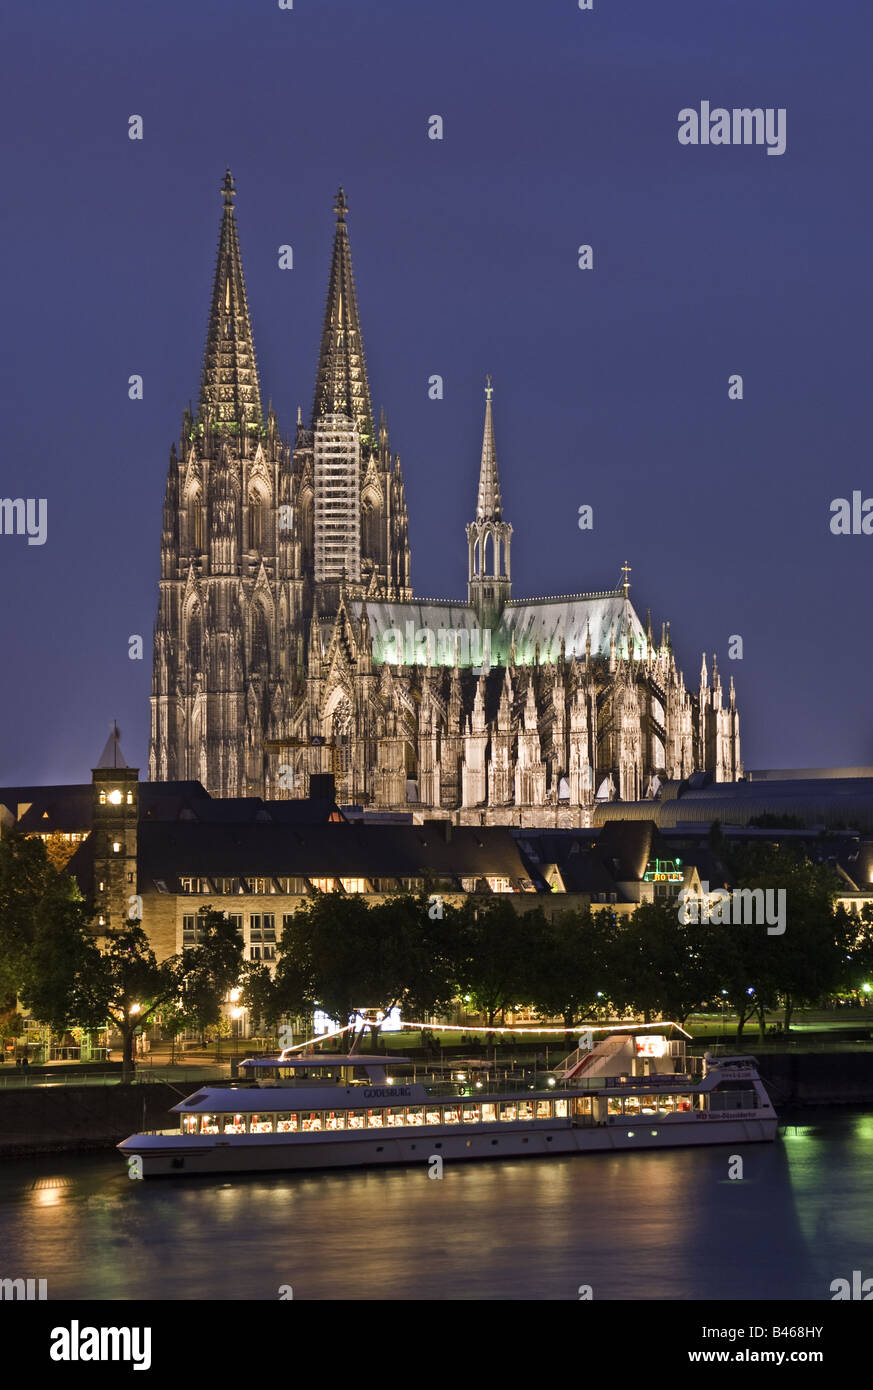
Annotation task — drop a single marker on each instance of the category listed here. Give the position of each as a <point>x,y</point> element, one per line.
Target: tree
<point>660,965</point>
<point>27,878</point>
<point>496,949</point>
<point>124,982</point>
<point>211,968</point>
<point>569,971</point>
<point>805,960</point>
<point>340,953</point>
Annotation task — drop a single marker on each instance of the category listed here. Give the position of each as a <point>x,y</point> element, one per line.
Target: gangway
<point>584,1059</point>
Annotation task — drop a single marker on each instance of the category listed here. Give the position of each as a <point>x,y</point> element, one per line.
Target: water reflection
<point>646,1225</point>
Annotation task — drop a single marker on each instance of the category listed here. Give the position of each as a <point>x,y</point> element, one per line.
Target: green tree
<point>569,970</point>
<point>339,953</point>
<point>211,968</point>
<point>496,949</point>
<point>661,965</point>
<point>124,983</point>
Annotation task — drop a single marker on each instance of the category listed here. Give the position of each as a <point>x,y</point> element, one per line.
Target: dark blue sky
<point>611,387</point>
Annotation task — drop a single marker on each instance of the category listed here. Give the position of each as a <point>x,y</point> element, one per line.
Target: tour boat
<point>296,1112</point>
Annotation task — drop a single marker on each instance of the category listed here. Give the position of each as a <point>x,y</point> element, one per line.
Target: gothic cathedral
<point>288,642</point>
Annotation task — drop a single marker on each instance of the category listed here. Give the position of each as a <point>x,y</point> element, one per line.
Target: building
<point>288,642</point>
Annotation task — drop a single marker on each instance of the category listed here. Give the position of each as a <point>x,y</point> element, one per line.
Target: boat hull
<point>177,1155</point>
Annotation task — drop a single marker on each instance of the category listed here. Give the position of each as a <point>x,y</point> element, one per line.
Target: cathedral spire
<point>489,536</point>
<point>229,388</point>
<point>488,506</point>
<point>341,386</point>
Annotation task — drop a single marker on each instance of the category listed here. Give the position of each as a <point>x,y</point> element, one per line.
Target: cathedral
<point>288,642</point>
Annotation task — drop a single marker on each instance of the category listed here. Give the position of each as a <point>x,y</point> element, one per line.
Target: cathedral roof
<point>529,623</point>
<point>548,621</point>
<point>341,386</point>
<point>229,385</point>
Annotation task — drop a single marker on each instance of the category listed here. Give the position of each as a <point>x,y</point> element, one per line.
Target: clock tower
<point>115,813</point>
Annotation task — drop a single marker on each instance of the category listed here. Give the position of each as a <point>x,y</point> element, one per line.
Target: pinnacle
<point>341,386</point>
<point>229,387</point>
<point>488,506</point>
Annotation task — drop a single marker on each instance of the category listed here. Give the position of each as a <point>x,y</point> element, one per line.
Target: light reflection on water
<point>648,1225</point>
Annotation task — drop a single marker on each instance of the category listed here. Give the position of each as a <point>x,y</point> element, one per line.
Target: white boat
<point>627,1092</point>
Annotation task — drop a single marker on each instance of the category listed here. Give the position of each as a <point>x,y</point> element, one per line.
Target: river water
<point>633,1226</point>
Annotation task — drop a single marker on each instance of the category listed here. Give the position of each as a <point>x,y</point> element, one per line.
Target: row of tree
<point>421,954</point>
<point>342,952</point>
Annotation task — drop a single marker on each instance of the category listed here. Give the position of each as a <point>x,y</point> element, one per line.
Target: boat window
<point>648,1105</point>
<point>666,1105</point>
<point>395,1115</point>
<point>471,1113</point>
<point>683,1102</point>
<point>544,1109</point>
<point>432,1115</point>
<point>261,1124</point>
<point>489,1112</point>
<point>415,1114</point>
<point>632,1105</point>
<point>286,1122</point>
<point>357,1119</point>
<point>613,1105</point>
<point>208,1124</point>
<point>451,1114</point>
<point>375,1119</point>
<point>561,1109</point>
<point>508,1110</point>
<point>234,1124</point>
<point>189,1123</point>
<point>525,1109</point>
<point>582,1105</point>
<point>334,1119</point>
<point>311,1120</point>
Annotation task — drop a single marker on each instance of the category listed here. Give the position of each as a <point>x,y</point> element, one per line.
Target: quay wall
<point>62,1119</point>
<point>58,1119</point>
<point>817,1078</point>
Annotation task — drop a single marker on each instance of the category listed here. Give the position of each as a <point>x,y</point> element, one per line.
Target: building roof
<point>526,623</point>
<point>835,802</point>
<point>168,852</point>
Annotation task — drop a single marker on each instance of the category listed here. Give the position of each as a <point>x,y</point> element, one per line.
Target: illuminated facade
<point>288,641</point>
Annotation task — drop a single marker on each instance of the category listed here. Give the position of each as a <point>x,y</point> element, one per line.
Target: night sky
<point>611,386</point>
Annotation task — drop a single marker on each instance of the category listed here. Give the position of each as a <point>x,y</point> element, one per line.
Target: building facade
<point>288,642</point>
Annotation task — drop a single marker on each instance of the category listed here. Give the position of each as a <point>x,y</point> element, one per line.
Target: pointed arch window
<point>195,520</point>
<point>256,521</point>
<point>260,649</point>
<point>195,640</point>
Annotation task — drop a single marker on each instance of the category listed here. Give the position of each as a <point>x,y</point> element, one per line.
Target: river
<point>668,1225</point>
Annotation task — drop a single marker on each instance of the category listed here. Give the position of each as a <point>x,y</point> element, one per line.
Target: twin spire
<point>229,387</point>
<point>341,386</point>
